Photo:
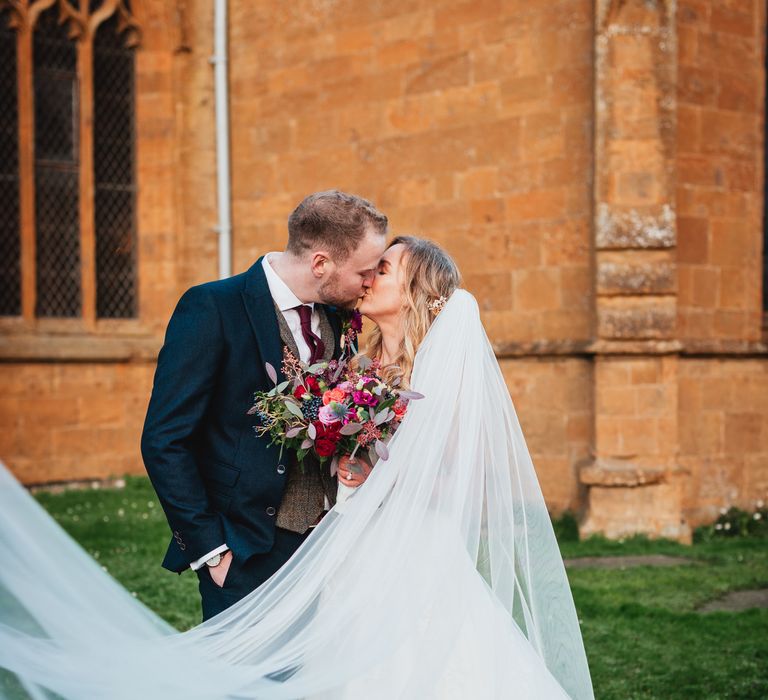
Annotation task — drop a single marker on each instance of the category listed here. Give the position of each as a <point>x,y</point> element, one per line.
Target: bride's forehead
<point>393,254</point>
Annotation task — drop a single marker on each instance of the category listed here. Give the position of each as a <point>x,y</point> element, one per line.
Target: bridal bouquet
<point>330,409</point>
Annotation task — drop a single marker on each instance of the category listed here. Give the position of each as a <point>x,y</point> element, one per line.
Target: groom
<point>236,511</point>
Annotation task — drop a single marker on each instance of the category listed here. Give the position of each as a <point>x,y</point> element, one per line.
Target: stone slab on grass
<point>625,561</point>
<point>738,600</point>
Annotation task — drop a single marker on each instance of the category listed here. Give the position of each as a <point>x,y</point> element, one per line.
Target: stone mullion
<point>87,220</point>
<point>24,17</point>
<point>26,172</point>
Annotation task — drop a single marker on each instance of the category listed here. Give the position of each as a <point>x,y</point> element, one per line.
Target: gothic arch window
<point>114,139</point>
<point>67,161</point>
<point>57,171</point>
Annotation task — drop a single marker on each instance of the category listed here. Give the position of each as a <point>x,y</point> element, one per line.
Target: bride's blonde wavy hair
<point>430,273</point>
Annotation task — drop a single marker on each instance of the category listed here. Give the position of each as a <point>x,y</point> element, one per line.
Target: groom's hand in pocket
<point>219,573</point>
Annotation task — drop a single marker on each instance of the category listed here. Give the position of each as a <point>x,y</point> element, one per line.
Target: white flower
<point>718,526</point>
<point>727,526</point>
<point>760,503</point>
<point>723,511</point>
<point>757,516</point>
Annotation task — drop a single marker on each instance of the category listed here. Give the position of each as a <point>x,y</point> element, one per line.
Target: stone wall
<point>721,87</point>
<point>552,398</point>
<point>64,421</point>
<point>723,434</point>
<point>469,123</point>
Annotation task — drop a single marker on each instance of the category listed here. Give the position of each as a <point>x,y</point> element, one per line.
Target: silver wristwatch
<point>215,560</point>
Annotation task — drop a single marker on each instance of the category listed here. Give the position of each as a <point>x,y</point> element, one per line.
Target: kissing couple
<point>439,578</point>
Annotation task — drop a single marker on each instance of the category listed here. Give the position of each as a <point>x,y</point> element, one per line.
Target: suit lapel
<point>260,308</point>
<point>332,315</point>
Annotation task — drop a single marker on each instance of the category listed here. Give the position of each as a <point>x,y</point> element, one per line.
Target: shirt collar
<point>280,291</point>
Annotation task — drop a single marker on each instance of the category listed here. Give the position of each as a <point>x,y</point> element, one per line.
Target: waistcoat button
<point>270,510</point>
<point>281,469</point>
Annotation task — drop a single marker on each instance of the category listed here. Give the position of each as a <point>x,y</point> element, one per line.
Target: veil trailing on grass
<point>440,578</point>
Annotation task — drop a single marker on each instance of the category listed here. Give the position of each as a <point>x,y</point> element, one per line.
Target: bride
<point>439,578</point>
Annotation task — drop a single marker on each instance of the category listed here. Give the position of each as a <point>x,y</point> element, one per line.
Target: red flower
<point>327,438</point>
<point>310,386</point>
<point>400,408</point>
<point>327,431</point>
<point>325,447</point>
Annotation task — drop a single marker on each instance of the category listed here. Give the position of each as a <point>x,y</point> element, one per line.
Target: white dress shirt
<point>286,300</point>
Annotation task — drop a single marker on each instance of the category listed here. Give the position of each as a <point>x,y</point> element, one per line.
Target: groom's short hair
<point>333,220</point>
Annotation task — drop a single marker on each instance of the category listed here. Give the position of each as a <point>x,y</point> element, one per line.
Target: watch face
<point>214,560</point>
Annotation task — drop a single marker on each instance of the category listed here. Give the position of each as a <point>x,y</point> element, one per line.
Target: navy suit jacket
<point>217,481</point>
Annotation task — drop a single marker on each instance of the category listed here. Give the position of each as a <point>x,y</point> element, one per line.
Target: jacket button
<point>182,546</point>
<point>270,510</point>
<point>175,533</point>
<point>281,469</point>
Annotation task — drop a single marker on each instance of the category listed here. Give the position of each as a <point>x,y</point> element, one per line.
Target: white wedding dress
<point>439,579</point>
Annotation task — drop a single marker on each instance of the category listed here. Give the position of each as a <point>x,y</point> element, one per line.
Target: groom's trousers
<point>244,576</point>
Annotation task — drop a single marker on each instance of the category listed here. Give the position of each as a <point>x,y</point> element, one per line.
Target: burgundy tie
<point>316,346</point>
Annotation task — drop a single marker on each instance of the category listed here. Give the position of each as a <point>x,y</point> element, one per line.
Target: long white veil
<point>382,592</point>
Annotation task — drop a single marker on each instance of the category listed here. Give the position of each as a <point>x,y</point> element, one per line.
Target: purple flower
<point>356,322</point>
<point>364,398</point>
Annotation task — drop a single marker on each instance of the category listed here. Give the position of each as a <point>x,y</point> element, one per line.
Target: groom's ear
<point>320,263</point>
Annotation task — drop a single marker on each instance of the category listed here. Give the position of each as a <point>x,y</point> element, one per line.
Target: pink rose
<point>327,415</point>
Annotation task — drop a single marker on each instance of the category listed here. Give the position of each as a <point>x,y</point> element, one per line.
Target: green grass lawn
<point>643,637</point>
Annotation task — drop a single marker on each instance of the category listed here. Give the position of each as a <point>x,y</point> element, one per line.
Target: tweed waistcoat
<point>303,500</point>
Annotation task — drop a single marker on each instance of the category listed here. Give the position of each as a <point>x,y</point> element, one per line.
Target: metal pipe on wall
<point>221,91</point>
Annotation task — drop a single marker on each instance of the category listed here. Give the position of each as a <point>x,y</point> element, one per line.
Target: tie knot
<point>305,314</point>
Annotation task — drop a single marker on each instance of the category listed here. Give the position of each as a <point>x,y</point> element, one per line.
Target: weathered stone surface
<point>636,278</point>
<point>652,317</point>
<point>634,228</point>
<point>607,472</point>
<point>737,600</point>
<point>619,512</point>
<point>628,561</point>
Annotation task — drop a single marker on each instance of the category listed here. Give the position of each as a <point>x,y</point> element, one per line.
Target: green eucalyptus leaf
<point>293,408</point>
